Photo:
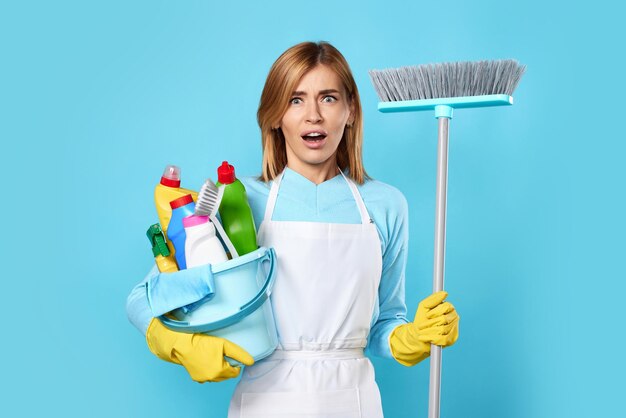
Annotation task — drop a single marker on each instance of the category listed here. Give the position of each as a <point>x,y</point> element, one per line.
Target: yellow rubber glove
<point>202,355</point>
<point>436,322</point>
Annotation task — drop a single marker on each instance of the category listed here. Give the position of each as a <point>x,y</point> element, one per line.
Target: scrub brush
<point>442,88</point>
<point>207,204</point>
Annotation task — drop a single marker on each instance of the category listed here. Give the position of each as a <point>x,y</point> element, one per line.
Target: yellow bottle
<point>167,190</point>
<point>166,264</point>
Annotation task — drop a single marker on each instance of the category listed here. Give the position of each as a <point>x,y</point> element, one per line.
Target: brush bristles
<point>209,199</point>
<point>449,79</point>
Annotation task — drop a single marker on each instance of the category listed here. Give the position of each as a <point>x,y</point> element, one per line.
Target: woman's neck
<point>317,173</point>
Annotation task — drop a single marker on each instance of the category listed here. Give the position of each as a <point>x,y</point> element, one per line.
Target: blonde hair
<point>282,80</point>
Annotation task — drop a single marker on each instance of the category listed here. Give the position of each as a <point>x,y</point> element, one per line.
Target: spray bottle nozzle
<point>157,240</point>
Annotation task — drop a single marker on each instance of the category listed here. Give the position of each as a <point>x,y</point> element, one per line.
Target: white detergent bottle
<point>202,246</point>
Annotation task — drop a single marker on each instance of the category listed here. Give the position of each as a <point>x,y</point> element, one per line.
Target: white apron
<point>323,300</point>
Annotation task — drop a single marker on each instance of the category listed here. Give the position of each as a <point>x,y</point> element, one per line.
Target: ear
<point>351,116</point>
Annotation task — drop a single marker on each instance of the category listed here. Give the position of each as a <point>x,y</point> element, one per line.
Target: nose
<point>313,114</point>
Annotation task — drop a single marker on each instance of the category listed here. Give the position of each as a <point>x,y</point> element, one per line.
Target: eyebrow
<point>302,93</point>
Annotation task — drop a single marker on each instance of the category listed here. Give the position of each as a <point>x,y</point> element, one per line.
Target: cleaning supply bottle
<point>167,190</point>
<point>164,258</point>
<point>235,211</point>
<point>181,207</point>
<point>202,246</point>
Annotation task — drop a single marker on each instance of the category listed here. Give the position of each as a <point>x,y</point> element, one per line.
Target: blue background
<point>97,97</point>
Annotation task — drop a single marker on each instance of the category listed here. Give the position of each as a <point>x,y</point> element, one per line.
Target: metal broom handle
<point>443,114</point>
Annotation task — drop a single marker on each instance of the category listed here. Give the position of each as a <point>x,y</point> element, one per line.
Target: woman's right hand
<point>202,355</point>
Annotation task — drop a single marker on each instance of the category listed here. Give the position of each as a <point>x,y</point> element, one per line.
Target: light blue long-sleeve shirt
<point>331,201</point>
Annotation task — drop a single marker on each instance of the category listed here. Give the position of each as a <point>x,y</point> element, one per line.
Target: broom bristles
<point>448,79</point>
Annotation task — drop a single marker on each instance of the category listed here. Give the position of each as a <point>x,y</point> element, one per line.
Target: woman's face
<point>313,124</point>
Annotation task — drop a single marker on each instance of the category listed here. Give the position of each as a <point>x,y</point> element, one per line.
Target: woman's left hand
<point>436,321</point>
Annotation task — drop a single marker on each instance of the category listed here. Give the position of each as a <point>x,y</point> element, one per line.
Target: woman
<point>341,242</point>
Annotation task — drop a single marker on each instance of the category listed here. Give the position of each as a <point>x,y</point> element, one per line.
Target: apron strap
<point>365,217</point>
<point>339,354</point>
<point>271,199</point>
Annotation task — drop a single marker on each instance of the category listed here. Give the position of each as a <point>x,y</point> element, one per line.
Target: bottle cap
<point>194,220</point>
<point>171,176</point>
<point>226,173</point>
<point>181,201</point>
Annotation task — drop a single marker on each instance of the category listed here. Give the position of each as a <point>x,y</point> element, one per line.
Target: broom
<point>442,88</point>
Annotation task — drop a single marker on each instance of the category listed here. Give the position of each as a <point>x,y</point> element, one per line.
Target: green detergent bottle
<point>235,211</point>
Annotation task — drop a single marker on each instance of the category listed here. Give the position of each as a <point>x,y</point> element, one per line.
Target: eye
<point>329,99</point>
<point>295,100</point>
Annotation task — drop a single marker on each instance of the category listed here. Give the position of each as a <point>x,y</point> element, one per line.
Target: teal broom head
<point>454,84</point>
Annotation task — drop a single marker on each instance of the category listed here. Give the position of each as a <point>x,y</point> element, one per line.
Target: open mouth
<point>314,137</point>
